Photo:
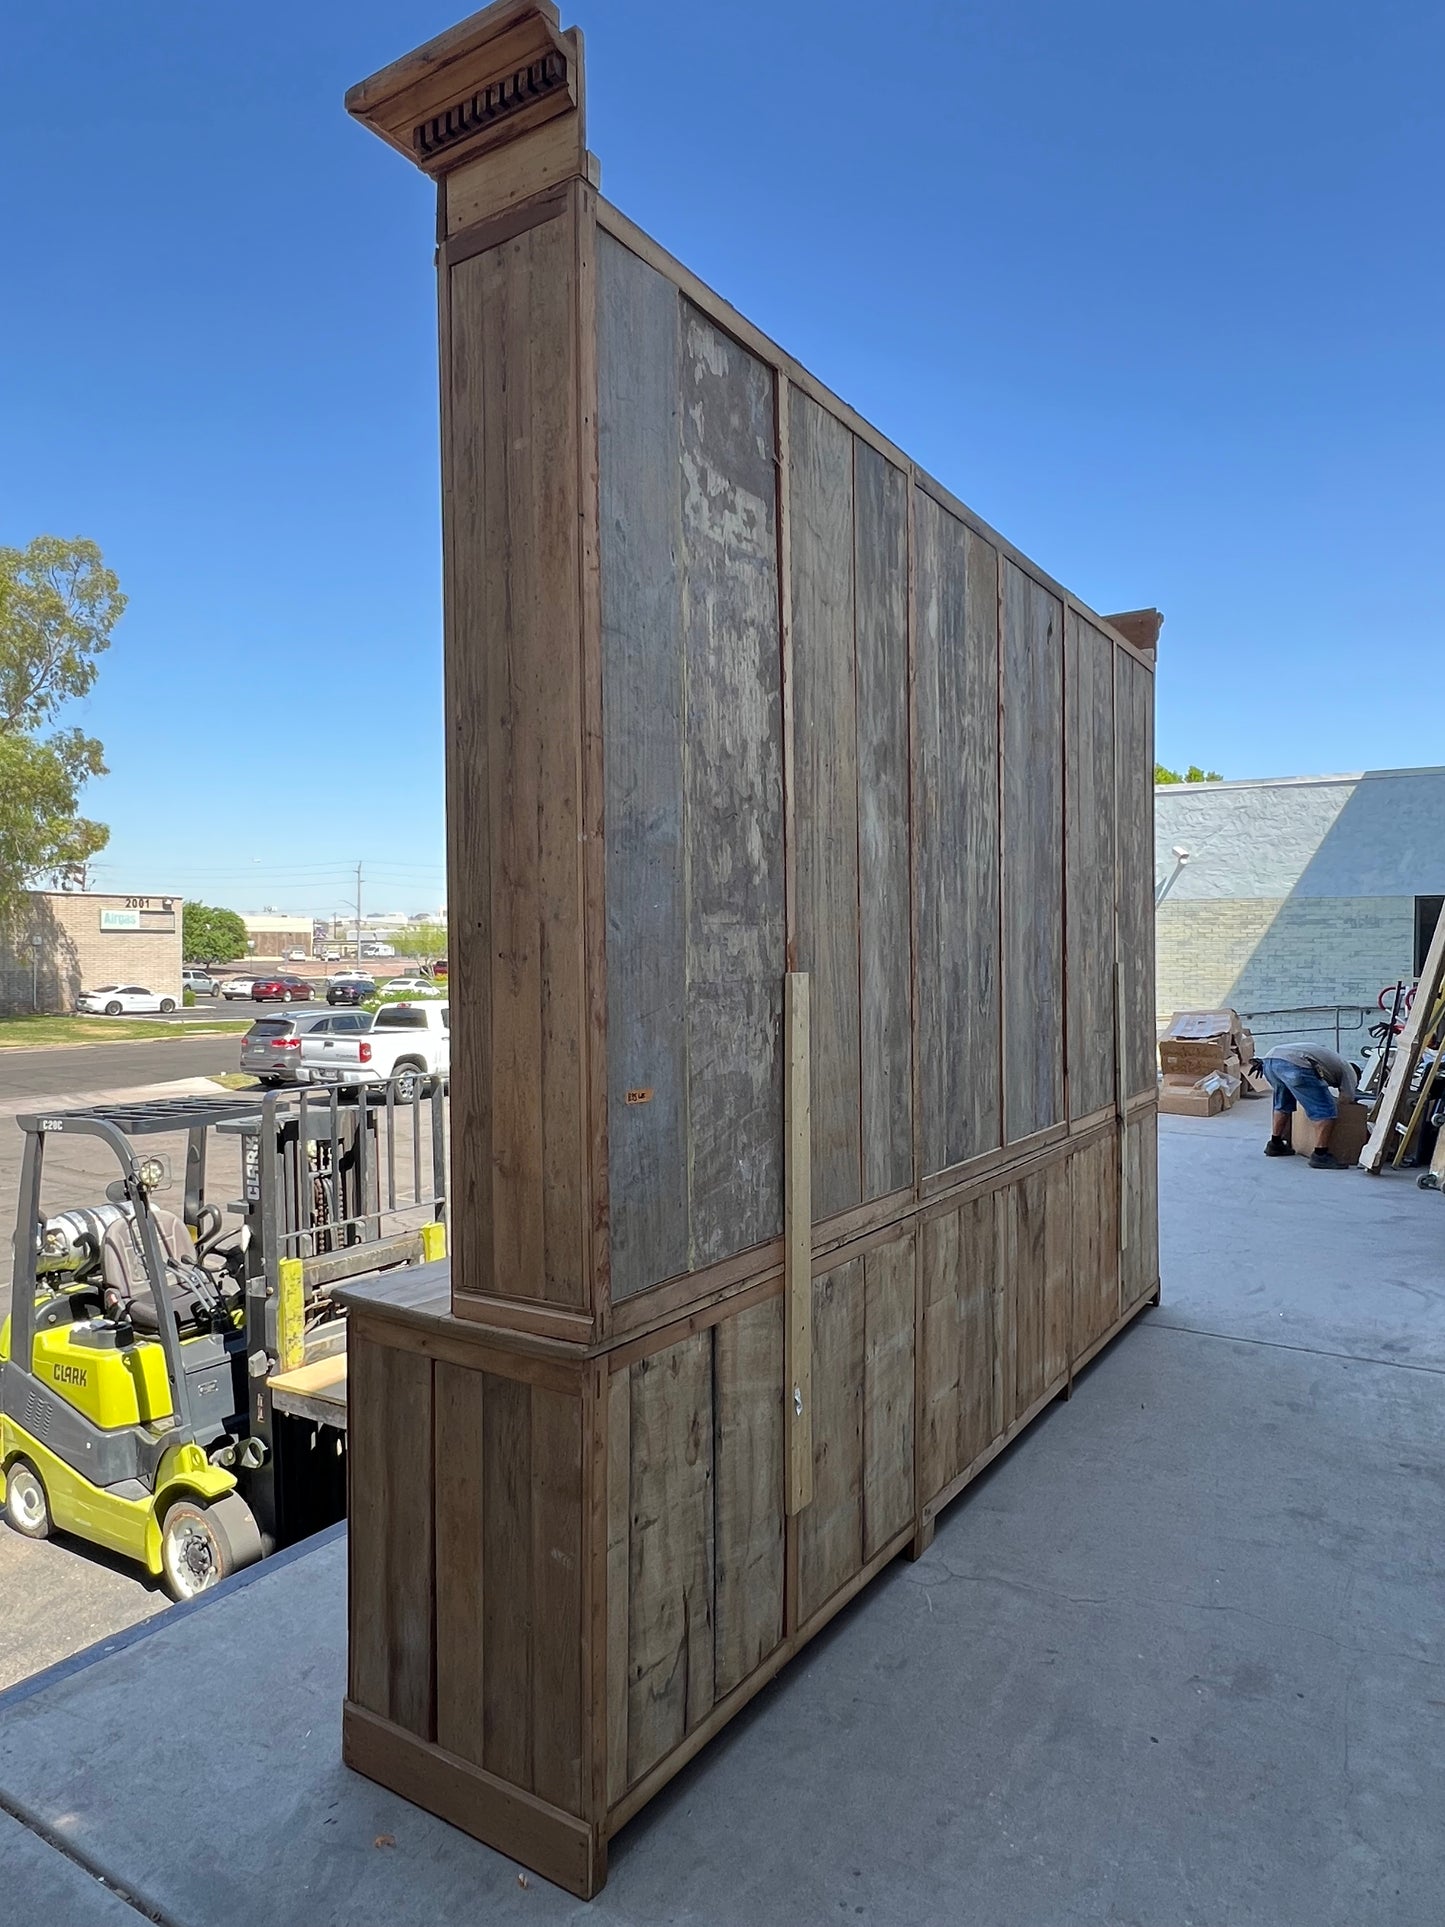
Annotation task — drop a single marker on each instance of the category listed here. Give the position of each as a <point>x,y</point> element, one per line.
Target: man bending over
<point>1302,1074</point>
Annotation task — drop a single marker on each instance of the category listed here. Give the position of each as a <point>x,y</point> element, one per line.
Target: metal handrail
<point>1332,1018</point>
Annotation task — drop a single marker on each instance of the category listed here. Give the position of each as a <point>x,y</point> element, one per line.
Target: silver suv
<point>271,1048</point>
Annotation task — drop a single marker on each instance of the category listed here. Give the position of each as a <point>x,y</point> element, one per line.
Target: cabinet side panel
<point>890,1285</point>
<point>956,832</point>
<point>1093,1019</point>
<point>391,1550</point>
<point>514,660</point>
<point>670,1663</point>
<point>643,702</point>
<point>1094,1177</point>
<point>881,550</point>
<point>825,754</point>
<point>733,794</point>
<point>830,1529</point>
<point>1141,1194</point>
<point>1033,857</point>
<point>748,1457</point>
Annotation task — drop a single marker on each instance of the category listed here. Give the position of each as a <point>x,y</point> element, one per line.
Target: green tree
<point>1194,774</point>
<point>423,940</point>
<point>211,936</point>
<point>58,606</point>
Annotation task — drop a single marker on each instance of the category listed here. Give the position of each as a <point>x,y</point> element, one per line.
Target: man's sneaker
<point>1279,1147</point>
<point>1326,1161</point>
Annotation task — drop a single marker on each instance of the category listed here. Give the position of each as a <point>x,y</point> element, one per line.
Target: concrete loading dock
<point>1177,1657</point>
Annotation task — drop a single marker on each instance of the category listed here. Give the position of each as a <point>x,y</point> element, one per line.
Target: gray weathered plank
<point>881,574</point>
<point>619,1554</point>
<point>956,833</point>
<point>890,1282</point>
<point>460,1653</point>
<point>643,703</point>
<point>1093,1019</point>
<point>1033,856</point>
<point>732,794</point>
<point>670,1568</point>
<point>1134,704</point>
<point>1140,1267</point>
<point>556,1598</point>
<point>1094,1174</point>
<point>825,757</point>
<point>963,1341</point>
<point>1034,1224</point>
<point>748,1470</point>
<point>830,1530</point>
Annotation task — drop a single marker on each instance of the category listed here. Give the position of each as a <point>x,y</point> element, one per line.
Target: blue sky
<point>1157,290</point>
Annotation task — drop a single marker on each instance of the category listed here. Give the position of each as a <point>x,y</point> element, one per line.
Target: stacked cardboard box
<point>1202,1056</point>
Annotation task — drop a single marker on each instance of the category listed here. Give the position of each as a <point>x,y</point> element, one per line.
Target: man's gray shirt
<point>1324,1063</point>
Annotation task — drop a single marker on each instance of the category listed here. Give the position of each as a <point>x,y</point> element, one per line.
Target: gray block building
<point>1298,891</point>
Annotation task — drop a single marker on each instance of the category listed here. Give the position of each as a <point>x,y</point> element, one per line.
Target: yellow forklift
<point>144,1366</point>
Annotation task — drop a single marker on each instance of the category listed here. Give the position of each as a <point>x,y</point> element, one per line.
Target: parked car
<point>412,987</point>
<point>343,1032</point>
<point>378,950</point>
<point>128,1000</point>
<point>295,956</point>
<point>349,990</point>
<point>350,976</point>
<point>281,990</point>
<point>201,982</point>
<point>331,956</point>
<point>235,987</point>
<point>271,1048</point>
<point>404,1046</point>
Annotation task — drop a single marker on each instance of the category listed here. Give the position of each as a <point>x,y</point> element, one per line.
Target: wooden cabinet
<point>800,869</point>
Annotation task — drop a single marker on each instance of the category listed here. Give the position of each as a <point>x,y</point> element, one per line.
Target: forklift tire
<point>27,1509</point>
<point>203,1544</point>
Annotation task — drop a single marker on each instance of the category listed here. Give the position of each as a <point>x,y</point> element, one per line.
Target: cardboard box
<point>1347,1139</point>
<point>1194,1026</point>
<point>1190,1102</point>
<point>1179,1057</point>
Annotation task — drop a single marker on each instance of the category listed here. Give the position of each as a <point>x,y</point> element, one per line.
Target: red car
<point>281,990</point>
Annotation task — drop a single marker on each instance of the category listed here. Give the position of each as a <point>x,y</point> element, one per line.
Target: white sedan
<point>411,987</point>
<point>235,987</point>
<point>123,1000</point>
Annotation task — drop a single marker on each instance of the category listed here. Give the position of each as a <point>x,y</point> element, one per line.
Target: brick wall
<point>1269,954</point>
<point>75,954</point>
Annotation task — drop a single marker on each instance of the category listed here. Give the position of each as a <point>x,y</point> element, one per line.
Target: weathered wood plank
<point>956,834</point>
<point>392,1557</point>
<point>748,1470</point>
<point>469,670</point>
<point>1134,706</point>
<point>393,1663</point>
<point>964,1334</point>
<point>460,1580</point>
<point>830,1530</point>
<point>890,1284</point>
<point>670,1568</point>
<point>797,1247</point>
<point>732,794</point>
<point>619,1553</point>
<point>1141,1208</point>
<point>943,1353</point>
<point>644,705</point>
<point>881,576</point>
<point>1033,856</point>
<point>507,1597</point>
<point>825,757</point>
<point>1089,789</point>
<point>1034,1239</point>
<point>1094,1176</point>
<point>556,1591</point>
<point>519,297</point>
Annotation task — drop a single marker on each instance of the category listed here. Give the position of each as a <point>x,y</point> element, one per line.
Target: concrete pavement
<point>1179,1657</point>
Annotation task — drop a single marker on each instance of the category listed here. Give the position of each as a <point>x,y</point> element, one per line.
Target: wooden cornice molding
<point>1140,627</point>
<point>504,72</point>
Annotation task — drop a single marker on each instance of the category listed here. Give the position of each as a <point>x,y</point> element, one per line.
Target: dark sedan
<point>351,990</point>
<point>281,990</point>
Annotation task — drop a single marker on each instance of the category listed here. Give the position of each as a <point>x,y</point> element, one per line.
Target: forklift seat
<point>123,1269</point>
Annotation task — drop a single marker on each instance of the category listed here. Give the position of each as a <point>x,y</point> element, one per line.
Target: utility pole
<point>358,914</point>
